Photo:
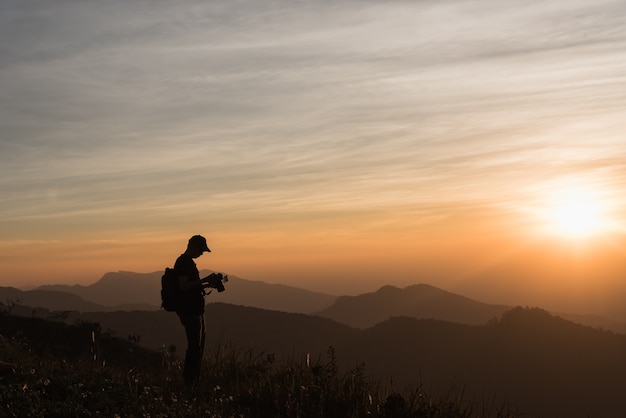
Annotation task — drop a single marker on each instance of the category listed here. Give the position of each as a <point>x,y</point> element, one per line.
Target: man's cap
<point>199,242</point>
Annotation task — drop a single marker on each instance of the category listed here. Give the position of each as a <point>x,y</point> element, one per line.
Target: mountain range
<point>126,291</point>
<point>544,364</point>
<point>418,301</point>
<point>527,359</point>
<point>123,289</point>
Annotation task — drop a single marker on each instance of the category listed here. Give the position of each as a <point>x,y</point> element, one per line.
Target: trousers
<point>195,332</point>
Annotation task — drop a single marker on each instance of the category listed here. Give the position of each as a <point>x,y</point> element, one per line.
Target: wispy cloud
<point>114,110</point>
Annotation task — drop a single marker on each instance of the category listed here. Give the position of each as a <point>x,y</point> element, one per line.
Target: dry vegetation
<point>80,371</point>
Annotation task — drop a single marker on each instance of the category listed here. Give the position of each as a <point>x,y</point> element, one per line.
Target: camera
<point>215,281</point>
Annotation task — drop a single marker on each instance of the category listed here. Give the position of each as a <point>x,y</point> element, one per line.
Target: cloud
<point>271,107</point>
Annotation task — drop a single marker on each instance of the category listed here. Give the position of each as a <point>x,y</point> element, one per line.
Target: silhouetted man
<point>191,306</point>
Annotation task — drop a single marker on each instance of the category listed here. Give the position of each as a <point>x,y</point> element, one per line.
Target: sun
<point>573,211</point>
<point>576,219</point>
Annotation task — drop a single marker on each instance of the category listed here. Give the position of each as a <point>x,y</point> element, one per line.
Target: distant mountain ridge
<point>48,299</point>
<point>117,288</point>
<point>126,288</point>
<point>417,301</point>
<point>141,291</point>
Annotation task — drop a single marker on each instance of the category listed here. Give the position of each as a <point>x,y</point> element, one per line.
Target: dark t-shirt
<point>192,301</point>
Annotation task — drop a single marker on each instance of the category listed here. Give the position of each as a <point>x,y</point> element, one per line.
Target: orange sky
<point>475,146</point>
<point>479,258</point>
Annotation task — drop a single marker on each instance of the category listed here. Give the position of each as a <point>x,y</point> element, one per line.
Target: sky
<point>476,145</point>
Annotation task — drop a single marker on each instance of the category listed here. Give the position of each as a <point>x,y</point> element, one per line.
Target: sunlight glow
<point>573,211</point>
<point>577,219</point>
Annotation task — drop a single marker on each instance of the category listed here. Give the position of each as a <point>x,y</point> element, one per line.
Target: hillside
<point>261,329</point>
<point>548,366</point>
<point>540,361</point>
<point>80,371</point>
<point>418,301</point>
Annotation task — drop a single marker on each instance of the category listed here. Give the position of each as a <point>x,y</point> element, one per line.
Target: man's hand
<point>215,281</point>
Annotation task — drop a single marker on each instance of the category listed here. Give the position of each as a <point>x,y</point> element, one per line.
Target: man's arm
<point>186,284</point>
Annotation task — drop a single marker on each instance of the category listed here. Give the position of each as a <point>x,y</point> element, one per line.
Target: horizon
<point>472,146</point>
<point>619,315</point>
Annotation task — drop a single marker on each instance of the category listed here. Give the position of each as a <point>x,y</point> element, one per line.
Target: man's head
<point>197,244</point>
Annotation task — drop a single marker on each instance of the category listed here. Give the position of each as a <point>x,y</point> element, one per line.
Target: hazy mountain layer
<point>418,301</point>
<point>48,299</point>
<point>115,289</point>
<point>134,291</point>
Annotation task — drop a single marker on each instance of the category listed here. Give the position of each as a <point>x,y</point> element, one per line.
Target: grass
<point>80,371</point>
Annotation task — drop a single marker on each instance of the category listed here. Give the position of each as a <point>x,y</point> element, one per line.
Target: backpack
<point>170,290</point>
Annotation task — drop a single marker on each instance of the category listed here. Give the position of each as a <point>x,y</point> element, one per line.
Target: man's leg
<point>194,329</point>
